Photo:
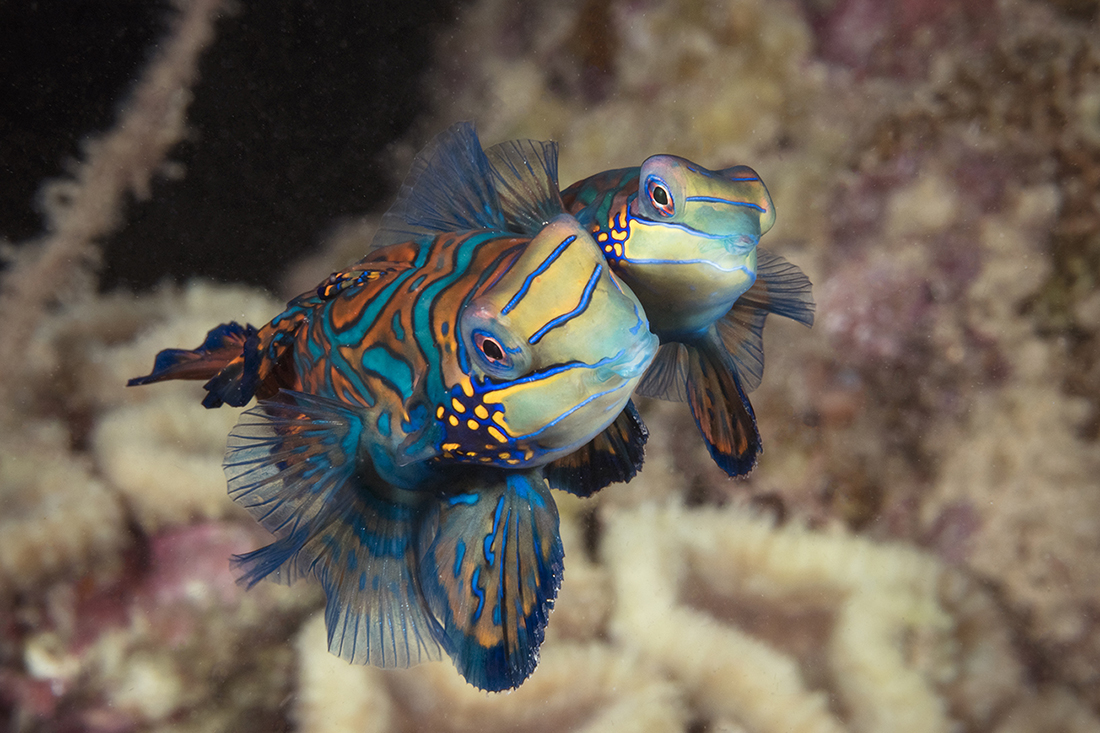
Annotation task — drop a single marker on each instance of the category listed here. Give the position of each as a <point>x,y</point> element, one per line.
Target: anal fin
<point>720,407</point>
<point>613,456</point>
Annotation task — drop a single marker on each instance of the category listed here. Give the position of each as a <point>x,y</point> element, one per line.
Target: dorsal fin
<point>449,189</point>
<point>525,173</point>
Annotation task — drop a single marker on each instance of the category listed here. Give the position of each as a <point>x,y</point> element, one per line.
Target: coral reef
<point>919,548</point>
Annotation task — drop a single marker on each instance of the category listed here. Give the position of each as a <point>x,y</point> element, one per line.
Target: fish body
<point>410,410</point>
<point>685,239</point>
<point>682,236</point>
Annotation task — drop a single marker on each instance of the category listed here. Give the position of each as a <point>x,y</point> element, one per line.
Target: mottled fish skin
<point>506,351</point>
<point>406,409</point>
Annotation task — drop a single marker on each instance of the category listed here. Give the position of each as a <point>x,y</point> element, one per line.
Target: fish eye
<point>491,349</point>
<point>659,196</point>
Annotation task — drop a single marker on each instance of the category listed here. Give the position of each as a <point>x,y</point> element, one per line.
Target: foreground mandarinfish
<point>410,411</point>
<point>684,238</point>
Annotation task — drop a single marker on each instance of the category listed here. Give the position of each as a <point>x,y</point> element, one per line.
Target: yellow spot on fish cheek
<point>453,420</point>
<point>602,237</point>
<point>499,436</point>
<point>440,412</point>
<point>481,412</point>
<point>458,406</point>
<point>472,424</point>
<point>450,446</point>
<point>618,250</point>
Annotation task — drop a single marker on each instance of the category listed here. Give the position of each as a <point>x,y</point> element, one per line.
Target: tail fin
<point>229,358</point>
<point>222,345</point>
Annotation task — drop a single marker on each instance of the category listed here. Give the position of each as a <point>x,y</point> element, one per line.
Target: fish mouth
<point>631,362</point>
<point>741,244</point>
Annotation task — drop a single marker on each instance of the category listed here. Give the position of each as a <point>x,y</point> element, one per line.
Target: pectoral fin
<point>291,463</point>
<point>490,568</point>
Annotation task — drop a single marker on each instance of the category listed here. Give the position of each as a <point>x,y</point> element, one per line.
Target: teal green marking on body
<point>463,253</point>
<point>398,329</point>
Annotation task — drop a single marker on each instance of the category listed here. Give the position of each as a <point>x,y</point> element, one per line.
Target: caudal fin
<point>222,345</point>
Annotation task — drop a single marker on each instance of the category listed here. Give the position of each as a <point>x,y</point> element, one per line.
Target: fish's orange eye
<point>490,348</point>
<point>659,196</point>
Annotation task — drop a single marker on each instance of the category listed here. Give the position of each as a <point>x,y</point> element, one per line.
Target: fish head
<point>553,348</point>
<point>692,238</point>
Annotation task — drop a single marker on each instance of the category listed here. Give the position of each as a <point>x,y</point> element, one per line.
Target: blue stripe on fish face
<point>518,297</point>
<point>730,202</point>
<point>582,306</point>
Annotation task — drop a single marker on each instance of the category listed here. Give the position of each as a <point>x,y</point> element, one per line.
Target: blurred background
<point>919,547</point>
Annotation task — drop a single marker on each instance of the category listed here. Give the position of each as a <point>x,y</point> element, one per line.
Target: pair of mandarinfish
<point>682,237</point>
<point>414,410</point>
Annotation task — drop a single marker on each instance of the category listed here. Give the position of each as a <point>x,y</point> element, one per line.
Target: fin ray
<point>291,463</point>
<point>721,409</point>
<point>449,189</point>
<point>613,456</point>
<point>490,567</point>
<point>781,288</point>
<point>525,174</point>
<point>666,377</point>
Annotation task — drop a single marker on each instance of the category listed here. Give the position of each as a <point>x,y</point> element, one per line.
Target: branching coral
<point>119,163</point>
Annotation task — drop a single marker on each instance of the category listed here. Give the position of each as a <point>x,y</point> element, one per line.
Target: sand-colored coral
<point>55,516</point>
<point>879,595</point>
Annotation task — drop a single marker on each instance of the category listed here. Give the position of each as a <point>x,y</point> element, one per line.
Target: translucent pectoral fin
<point>449,189</point>
<point>666,377</point>
<point>615,455</point>
<point>742,333</point>
<point>721,409</point>
<point>291,464</point>
<point>780,288</point>
<point>525,173</point>
<point>490,568</point>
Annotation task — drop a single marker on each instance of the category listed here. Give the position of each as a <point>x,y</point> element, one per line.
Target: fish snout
<point>632,361</point>
<point>741,244</point>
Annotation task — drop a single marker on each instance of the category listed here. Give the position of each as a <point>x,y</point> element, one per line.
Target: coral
<point>57,516</point>
<point>88,205</point>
